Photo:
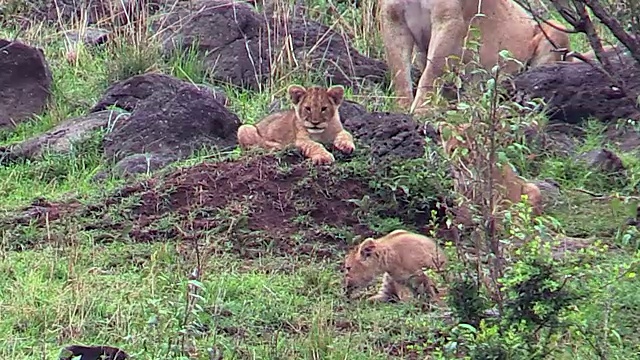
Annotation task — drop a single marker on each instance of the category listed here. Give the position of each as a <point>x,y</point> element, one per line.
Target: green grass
<point>74,285</point>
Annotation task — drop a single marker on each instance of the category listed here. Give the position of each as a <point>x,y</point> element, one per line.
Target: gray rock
<point>170,119</point>
<point>550,191</point>
<point>61,138</point>
<point>235,42</point>
<point>603,160</point>
<point>576,91</point>
<point>25,82</point>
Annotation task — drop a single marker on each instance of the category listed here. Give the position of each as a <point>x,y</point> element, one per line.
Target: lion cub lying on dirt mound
<point>313,121</point>
<point>401,257</point>
<point>511,186</point>
<point>438,29</point>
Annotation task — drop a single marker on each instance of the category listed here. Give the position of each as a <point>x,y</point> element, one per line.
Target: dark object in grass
<point>93,353</point>
<point>25,83</point>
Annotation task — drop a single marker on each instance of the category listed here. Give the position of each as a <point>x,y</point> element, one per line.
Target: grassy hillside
<point>104,270</point>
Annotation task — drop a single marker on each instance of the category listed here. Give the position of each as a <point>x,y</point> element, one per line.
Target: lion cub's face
<point>361,266</point>
<point>316,107</point>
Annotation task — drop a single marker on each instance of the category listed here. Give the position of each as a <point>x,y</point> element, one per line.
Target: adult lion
<point>437,29</point>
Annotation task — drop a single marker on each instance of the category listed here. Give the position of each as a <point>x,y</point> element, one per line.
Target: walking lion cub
<point>401,256</point>
<point>509,186</point>
<point>313,121</point>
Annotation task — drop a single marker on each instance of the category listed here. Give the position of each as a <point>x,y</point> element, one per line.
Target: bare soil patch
<point>276,203</point>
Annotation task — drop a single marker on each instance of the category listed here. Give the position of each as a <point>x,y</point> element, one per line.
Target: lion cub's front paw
<point>324,158</point>
<point>383,298</point>
<point>345,146</point>
<point>377,298</point>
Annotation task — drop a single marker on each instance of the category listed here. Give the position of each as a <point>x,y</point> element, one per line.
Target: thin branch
<point>592,35</point>
<point>614,25</point>
<point>602,197</point>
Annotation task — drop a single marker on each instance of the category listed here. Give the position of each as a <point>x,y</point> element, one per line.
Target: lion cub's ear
<point>367,248</point>
<point>336,93</point>
<point>296,92</point>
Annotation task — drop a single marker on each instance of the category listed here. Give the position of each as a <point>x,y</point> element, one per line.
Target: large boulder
<point>129,93</point>
<point>243,46</point>
<point>25,82</point>
<point>318,48</point>
<point>228,34</point>
<point>170,120</point>
<point>388,135</point>
<point>84,12</point>
<point>576,91</point>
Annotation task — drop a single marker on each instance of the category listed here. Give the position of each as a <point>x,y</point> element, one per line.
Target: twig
<point>592,35</point>
<point>602,197</point>
<point>587,192</point>
<point>616,28</point>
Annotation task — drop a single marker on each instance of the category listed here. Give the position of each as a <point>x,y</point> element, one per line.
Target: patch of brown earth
<point>275,203</point>
<point>262,200</point>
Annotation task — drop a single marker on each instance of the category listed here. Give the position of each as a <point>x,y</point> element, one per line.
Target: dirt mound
<point>275,202</point>
<point>25,82</point>
<point>262,199</point>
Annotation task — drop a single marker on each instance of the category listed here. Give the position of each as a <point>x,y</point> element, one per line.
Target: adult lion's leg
<point>447,36</point>
<point>421,58</point>
<point>398,44</point>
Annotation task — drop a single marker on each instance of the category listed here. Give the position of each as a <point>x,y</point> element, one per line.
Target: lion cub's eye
<point>348,268</point>
<point>307,108</point>
<point>324,108</point>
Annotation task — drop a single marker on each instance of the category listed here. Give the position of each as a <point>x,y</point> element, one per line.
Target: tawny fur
<point>401,256</point>
<point>313,121</point>
<point>510,186</point>
<point>437,29</point>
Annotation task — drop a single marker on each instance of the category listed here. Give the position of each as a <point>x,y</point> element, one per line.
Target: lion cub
<point>313,121</point>
<point>401,257</point>
<point>511,186</point>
